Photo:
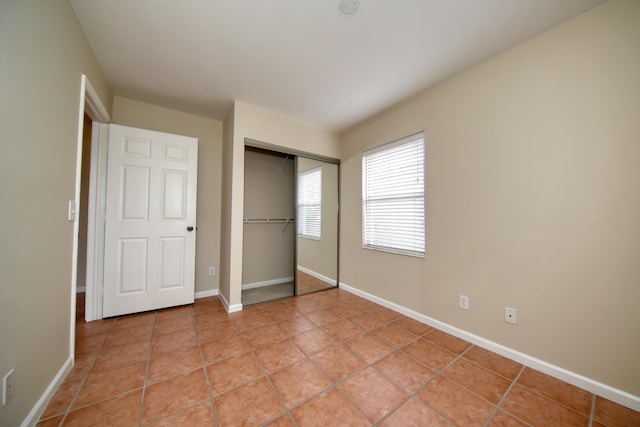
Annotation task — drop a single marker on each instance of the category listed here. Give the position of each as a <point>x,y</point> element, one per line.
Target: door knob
<point>189,228</point>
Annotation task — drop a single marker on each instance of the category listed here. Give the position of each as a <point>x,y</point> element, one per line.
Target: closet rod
<point>268,220</point>
<point>283,221</point>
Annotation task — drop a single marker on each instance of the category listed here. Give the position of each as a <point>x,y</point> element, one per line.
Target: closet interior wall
<point>269,242</point>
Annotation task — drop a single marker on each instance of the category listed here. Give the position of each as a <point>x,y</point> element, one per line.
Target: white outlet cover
<point>464,302</point>
<point>510,315</point>
<point>8,387</point>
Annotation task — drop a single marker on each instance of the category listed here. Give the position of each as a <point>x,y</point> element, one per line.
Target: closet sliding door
<point>316,225</point>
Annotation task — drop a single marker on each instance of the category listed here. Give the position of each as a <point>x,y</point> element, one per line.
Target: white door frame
<point>90,104</point>
<point>96,220</point>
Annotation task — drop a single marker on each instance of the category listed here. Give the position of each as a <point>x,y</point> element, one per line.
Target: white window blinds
<point>309,203</point>
<point>393,197</point>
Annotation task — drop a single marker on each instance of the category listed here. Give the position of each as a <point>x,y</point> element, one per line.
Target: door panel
<point>132,266</point>
<point>172,262</point>
<point>173,194</point>
<point>135,193</point>
<point>150,208</point>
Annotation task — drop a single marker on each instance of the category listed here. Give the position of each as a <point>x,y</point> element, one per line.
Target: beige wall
<point>209,133</point>
<point>283,134</point>
<point>268,251</point>
<point>533,167</point>
<point>321,256</point>
<point>43,54</point>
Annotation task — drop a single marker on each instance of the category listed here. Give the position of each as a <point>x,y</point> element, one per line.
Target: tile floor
<point>324,359</point>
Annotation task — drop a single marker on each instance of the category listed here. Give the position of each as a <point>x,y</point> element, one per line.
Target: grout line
<point>334,384</point>
<point>438,373</point>
<point>204,368</point>
<point>368,365</point>
<point>409,396</point>
<point>504,396</point>
<point>173,414</point>
<point>357,408</point>
<point>77,393</point>
<point>275,391</point>
<point>86,375</point>
<point>146,373</point>
<point>341,344</point>
<point>592,415</point>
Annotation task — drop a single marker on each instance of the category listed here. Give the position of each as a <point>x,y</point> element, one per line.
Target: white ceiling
<point>302,58</point>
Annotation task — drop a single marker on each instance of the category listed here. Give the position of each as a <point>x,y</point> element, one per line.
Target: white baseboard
<point>42,403</point>
<point>230,308</point>
<point>318,276</point>
<point>593,386</point>
<point>81,289</point>
<point>266,283</point>
<point>205,294</point>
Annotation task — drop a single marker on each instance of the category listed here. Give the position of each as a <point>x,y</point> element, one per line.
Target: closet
<point>268,260</point>
<point>290,243</point>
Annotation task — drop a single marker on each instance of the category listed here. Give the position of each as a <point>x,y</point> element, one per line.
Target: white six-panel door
<point>150,221</point>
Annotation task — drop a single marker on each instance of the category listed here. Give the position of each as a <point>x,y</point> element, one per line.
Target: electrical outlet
<point>212,271</point>
<point>8,386</point>
<point>464,302</point>
<point>510,315</point>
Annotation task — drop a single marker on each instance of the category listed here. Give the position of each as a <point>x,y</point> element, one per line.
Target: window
<point>309,203</point>
<point>393,197</point>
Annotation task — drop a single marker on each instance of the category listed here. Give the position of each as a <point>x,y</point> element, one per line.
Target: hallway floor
<point>324,359</point>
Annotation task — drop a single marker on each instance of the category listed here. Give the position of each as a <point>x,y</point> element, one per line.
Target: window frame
<point>400,199</point>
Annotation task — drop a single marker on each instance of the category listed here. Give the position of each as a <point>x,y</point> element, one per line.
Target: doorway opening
<point>83,204</point>
<point>90,116</point>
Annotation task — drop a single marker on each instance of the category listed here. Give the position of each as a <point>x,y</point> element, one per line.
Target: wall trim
<point>42,403</point>
<point>267,283</point>
<point>619,396</point>
<point>205,294</point>
<point>93,104</point>
<point>318,276</point>
<point>229,307</point>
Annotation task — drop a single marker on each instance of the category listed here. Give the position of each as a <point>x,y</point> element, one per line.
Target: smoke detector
<point>349,7</point>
